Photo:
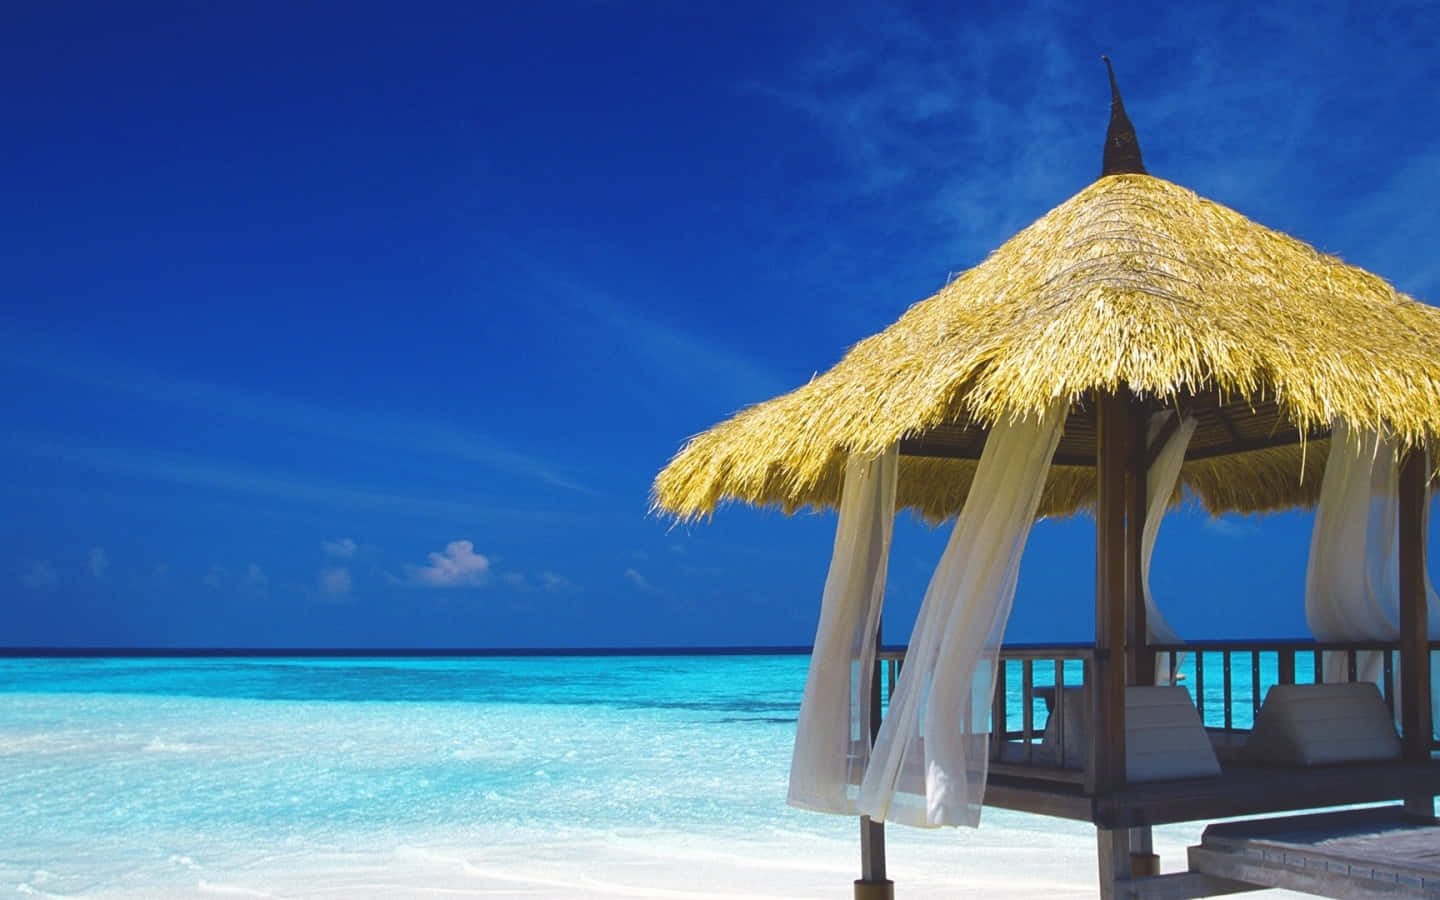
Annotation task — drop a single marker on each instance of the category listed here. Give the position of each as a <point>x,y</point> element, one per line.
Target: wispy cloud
<point>546,582</point>
<point>255,576</point>
<point>558,584</point>
<point>659,347</point>
<point>40,576</point>
<point>215,577</point>
<point>179,469</point>
<point>417,437</point>
<point>458,566</point>
<point>1232,526</point>
<point>1395,235</point>
<point>638,580</point>
<point>952,135</point>
<point>334,581</point>
<point>340,548</point>
<point>98,562</point>
<point>956,130</point>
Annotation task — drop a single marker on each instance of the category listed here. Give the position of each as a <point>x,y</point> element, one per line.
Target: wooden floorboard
<point>1353,853</point>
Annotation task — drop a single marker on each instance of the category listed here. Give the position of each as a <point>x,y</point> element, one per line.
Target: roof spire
<point>1122,148</point>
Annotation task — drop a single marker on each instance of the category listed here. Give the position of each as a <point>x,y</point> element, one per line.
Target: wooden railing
<point>1227,681</point>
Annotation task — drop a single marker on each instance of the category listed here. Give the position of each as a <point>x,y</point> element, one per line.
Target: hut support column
<point>1105,753</point>
<point>1414,622</point>
<point>872,884</point>
<point>1139,661</point>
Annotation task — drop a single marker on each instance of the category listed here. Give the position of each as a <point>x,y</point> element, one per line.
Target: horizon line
<point>396,652</point>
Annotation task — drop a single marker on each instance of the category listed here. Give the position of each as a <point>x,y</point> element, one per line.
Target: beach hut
<point>1135,346</point>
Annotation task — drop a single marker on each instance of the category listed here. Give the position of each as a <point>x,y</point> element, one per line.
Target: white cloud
<point>215,576</point>
<point>254,575</point>
<point>99,562</point>
<point>640,581</point>
<point>335,581</point>
<point>40,577</point>
<point>340,548</point>
<point>458,566</point>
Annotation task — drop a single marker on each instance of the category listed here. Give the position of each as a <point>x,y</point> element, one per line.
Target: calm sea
<point>553,776</point>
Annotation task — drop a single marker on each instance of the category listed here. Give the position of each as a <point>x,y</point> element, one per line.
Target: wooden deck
<point>1357,853</point>
<point>1239,790</point>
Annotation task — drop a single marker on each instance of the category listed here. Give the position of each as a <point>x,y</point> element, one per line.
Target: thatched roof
<point>1133,282</point>
<point>1134,286</point>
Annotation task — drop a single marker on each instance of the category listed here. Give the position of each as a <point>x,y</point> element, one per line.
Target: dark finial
<point>1122,148</point>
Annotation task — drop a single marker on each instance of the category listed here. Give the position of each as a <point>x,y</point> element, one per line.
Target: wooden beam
<point>1287,438</point>
<point>1185,886</point>
<point>940,449</point>
<point>1105,757</point>
<point>944,449</point>
<point>1227,424</point>
<point>1414,620</point>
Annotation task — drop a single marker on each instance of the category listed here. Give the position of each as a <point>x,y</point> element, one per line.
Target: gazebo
<point>1135,346</point>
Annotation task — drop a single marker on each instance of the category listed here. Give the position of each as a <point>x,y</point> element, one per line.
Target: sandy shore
<point>1009,859</point>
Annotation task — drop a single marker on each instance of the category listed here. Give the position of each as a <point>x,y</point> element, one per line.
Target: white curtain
<point>930,761</point>
<point>832,739</point>
<point>1352,583</point>
<point>1159,488</point>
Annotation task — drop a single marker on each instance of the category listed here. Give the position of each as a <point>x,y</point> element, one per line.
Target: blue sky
<point>371,329</point>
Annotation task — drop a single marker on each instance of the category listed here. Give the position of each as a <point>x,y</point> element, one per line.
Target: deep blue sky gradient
<point>297,295</point>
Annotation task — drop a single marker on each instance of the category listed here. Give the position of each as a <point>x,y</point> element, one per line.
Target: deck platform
<point>1382,852</point>
<point>1240,790</point>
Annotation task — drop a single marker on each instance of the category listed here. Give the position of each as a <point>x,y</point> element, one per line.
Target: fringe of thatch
<point>1260,481</point>
<point>1133,281</point>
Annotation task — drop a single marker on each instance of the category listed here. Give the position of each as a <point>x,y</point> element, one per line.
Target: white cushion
<point>1321,724</point>
<point>1164,738</point>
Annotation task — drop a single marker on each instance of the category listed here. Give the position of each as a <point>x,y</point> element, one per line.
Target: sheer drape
<point>1159,488</point>
<point>1352,583</point>
<point>930,761</point>
<point>832,739</point>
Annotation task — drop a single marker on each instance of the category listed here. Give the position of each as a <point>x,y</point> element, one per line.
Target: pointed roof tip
<point>1122,147</point>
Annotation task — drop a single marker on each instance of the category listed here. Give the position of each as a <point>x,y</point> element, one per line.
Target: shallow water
<point>537,776</point>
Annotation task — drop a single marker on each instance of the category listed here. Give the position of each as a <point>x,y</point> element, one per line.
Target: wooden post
<point>1105,757</point>
<point>1139,661</point>
<point>872,884</point>
<point>1415,721</point>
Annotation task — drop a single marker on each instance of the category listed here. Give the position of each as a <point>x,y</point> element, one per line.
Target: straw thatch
<point>1133,283</point>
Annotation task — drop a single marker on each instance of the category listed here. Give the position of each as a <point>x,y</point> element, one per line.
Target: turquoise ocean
<point>528,776</point>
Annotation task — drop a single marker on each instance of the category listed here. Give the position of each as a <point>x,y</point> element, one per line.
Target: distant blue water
<point>111,770</point>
